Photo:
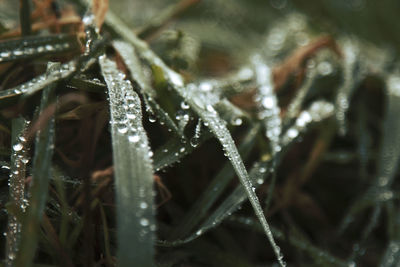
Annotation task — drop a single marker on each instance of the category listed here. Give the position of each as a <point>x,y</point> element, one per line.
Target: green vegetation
<point>199,133</point>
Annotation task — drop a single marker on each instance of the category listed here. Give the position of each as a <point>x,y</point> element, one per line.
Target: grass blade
<point>41,175</point>
<point>353,72</point>
<point>25,17</point>
<point>34,46</point>
<point>19,159</point>
<point>133,171</point>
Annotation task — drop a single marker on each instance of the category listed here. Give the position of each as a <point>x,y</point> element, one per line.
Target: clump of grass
<point>144,151</point>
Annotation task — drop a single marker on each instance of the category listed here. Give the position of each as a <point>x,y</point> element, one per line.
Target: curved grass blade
<point>133,171</point>
<point>19,159</point>
<point>41,173</point>
<point>34,46</point>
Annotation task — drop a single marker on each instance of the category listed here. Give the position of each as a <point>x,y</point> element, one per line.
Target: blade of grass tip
<point>214,189</point>
<point>206,112</point>
<point>25,17</point>
<point>19,159</point>
<point>131,60</point>
<point>44,146</point>
<point>34,46</point>
<point>133,171</point>
<point>390,150</point>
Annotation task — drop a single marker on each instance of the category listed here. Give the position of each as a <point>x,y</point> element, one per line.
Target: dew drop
<point>134,138</point>
<point>293,133</point>
<point>237,121</point>
<point>18,147</point>
<point>325,68</point>
<point>123,130</point>
<point>194,142</point>
<point>152,118</point>
<point>131,116</point>
<point>184,105</point>
<point>144,222</point>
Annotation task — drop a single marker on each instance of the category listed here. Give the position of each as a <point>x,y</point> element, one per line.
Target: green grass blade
<point>34,46</point>
<point>40,82</point>
<point>19,159</point>
<point>268,103</point>
<point>25,17</point>
<point>41,175</point>
<point>133,171</point>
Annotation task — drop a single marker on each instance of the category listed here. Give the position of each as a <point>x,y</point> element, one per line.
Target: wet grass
<point>168,147</point>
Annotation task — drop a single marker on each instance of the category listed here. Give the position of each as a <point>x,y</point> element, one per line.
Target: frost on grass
<point>133,171</point>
